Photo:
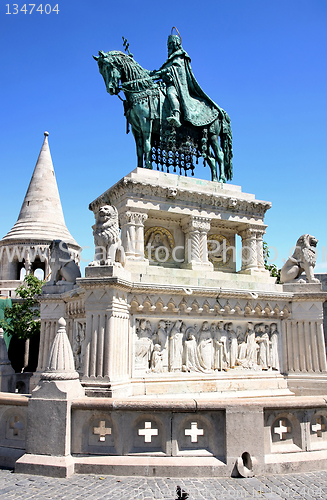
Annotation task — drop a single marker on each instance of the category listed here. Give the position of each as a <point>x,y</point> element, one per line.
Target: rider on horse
<point>187,100</point>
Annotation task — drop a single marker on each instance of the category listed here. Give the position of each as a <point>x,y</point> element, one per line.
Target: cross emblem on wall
<point>16,425</point>
<point>282,429</point>
<point>194,432</point>
<point>102,430</point>
<point>148,432</point>
<point>318,427</point>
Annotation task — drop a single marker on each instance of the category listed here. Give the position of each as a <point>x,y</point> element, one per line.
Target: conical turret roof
<point>41,216</point>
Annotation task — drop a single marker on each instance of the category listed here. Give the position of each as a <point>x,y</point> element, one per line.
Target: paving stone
<point>308,486</point>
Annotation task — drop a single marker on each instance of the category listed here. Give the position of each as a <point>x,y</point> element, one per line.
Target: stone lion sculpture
<point>302,260</point>
<point>108,247</point>
<point>62,265</point>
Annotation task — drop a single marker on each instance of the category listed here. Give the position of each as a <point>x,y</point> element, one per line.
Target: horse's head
<point>110,71</point>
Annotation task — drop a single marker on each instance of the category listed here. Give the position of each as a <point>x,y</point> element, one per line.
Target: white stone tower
<point>40,221</point>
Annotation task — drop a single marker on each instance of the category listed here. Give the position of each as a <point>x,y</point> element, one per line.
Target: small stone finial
<point>62,322</point>
<point>46,133</point>
<point>60,364</point>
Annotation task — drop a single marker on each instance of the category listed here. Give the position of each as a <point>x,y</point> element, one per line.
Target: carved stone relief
<point>158,244</point>
<point>205,347</point>
<point>78,339</point>
<point>217,250</point>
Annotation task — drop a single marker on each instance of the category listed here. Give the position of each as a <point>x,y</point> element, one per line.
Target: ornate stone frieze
<point>207,306</point>
<point>176,345</point>
<point>134,187</point>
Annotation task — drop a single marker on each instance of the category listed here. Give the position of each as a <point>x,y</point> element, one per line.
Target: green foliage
<point>272,268</point>
<point>21,320</point>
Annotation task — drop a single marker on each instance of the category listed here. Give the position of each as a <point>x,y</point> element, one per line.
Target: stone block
<point>245,434</point>
<point>296,287</point>
<point>43,465</point>
<point>116,271</point>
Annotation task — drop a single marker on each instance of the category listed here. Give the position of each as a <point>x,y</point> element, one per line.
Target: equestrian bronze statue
<point>173,121</point>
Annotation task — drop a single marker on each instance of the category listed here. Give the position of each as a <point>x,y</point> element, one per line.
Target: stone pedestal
<point>176,318</point>
<point>193,366</point>
<point>48,438</point>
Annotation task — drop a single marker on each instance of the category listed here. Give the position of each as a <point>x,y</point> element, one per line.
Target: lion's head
<point>305,249</point>
<point>59,252</point>
<point>106,227</point>
<point>107,213</point>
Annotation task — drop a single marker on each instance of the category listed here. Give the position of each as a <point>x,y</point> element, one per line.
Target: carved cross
<point>194,432</point>
<point>102,430</point>
<point>16,425</point>
<point>148,432</point>
<point>318,427</point>
<point>282,429</point>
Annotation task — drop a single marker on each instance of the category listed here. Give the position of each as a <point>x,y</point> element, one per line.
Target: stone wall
<point>13,421</point>
<point>177,438</point>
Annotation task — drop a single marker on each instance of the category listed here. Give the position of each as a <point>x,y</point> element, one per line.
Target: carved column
<point>139,219</point>
<point>196,251</point>
<point>260,256</point>
<point>252,250</point>
<point>28,263</point>
<point>249,250</point>
<point>107,343</point>
<point>132,233</point>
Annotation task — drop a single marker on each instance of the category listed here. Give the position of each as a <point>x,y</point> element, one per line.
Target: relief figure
<point>274,346</point>
<point>176,347</point>
<point>205,346</point>
<point>143,344</point>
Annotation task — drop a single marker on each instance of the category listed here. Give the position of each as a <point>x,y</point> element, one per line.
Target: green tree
<point>272,268</point>
<point>22,319</point>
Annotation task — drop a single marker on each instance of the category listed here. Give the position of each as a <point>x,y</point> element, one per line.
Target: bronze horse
<point>147,109</point>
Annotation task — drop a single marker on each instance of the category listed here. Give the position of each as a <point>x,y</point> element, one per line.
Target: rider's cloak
<point>196,105</point>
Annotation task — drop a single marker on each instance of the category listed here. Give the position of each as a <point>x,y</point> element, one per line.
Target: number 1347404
<point>29,8</point>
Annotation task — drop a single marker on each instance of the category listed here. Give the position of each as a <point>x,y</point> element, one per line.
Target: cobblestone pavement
<point>93,487</point>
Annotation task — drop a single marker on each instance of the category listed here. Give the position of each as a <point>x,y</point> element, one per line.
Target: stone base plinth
<point>115,271</point>
<point>297,287</point>
<point>152,466</point>
<point>232,383</point>
<point>59,287</point>
<point>307,384</point>
<point>9,456</point>
<point>287,463</point>
<point>45,465</point>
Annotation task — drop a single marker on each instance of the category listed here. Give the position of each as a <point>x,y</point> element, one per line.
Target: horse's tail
<point>226,140</point>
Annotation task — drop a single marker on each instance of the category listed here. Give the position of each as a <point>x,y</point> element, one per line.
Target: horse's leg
<point>139,147</point>
<point>146,126</point>
<point>213,167</point>
<point>219,155</point>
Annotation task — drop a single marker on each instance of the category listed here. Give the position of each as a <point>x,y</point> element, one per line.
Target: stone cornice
<point>155,288</point>
<point>196,291</point>
<point>71,295</point>
<point>152,191</point>
<point>186,403</point>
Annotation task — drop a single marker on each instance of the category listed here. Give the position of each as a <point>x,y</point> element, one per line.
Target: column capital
<point>252,231</point>
<point>196,223</point>
<point>131,216</point>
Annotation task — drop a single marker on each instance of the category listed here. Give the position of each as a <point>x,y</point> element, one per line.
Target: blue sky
<point>263,61</point>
